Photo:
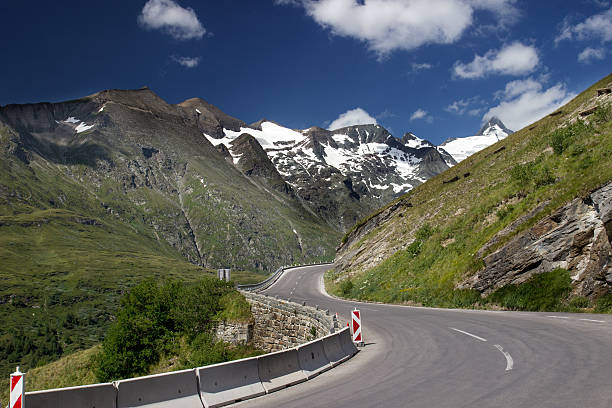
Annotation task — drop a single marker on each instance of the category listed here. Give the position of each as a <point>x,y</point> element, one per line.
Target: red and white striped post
<point>356,319</point>
<point>17,389</point>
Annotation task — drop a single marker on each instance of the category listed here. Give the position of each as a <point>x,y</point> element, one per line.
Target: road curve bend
<point>438,358</point>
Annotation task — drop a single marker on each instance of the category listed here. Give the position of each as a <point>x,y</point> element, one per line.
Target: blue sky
<point>437,68</point>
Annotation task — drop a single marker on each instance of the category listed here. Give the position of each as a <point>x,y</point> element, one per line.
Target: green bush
<point>604,304</point>
<point>562,138</point>
<point>603,114</point>
<point>152,320</point>
<point>346,287</point>
<point>204,350</point>
<point>542,292</point>
<point>537,172</point>
<point>580,302</point>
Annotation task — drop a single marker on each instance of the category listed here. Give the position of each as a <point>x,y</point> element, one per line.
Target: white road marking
<point>592,320</point>
<point>559,317</point>
<point>469,334</point>
<point>509,360</point>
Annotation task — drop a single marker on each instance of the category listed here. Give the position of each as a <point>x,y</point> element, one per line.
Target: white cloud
<point>590,54</point>
<point>418,114</point>
<point>352,117</point>
<point>421,114</point>
<point>166,15</point>
<point>462,106</point>
<point>598,26</point>
<point>420,67</point>
<point>526,101</point>
<point>188,62</point>
<point>518,87</point>
<point>389,25</point>
<point>513,59</point>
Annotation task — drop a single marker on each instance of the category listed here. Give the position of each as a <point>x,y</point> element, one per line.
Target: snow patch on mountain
<point>463,147</point>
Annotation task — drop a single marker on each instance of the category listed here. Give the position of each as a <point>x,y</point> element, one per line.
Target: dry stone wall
<point>279,324</point>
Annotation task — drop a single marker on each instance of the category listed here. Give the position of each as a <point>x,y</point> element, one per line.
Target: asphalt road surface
<point>438,358</point>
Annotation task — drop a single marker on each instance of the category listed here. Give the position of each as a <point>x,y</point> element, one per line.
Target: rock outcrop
<point>576,237</point>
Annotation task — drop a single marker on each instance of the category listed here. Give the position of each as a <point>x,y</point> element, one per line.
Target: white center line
<point>509,360</point>
<point>559,317</point>
<point>469,334</point>
<point>592,320</point>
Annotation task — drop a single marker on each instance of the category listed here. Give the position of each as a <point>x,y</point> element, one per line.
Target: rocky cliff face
<point>576,237</point>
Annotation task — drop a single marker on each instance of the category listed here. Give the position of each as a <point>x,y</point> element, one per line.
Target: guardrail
<point>271,280</point>
<point>210,386</point>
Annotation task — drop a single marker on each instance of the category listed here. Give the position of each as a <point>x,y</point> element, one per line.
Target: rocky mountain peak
<point>492,123</point>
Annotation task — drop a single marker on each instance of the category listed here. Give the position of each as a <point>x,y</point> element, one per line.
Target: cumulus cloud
<point>513,59</point>
<point>519,87</point>
<point>389,25</point>
<point>352,117</point>
<point>526,101</point>
<point>166,15</point>
<point>598,26</point>
<point>188,62</point>
<point>590,54</point>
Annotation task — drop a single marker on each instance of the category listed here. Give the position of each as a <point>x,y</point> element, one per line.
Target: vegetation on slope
<point>441,226</point>
<point>86,216</point>
<point>170,319</point>
<point>161,327</point>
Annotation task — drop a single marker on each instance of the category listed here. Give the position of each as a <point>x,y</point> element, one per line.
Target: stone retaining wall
<point>280,324</point>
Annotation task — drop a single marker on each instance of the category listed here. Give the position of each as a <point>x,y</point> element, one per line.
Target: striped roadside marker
<point>17,389</point>
<point>356,320</point>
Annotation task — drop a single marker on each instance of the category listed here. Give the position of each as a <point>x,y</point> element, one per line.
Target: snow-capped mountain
<point>492,132</point>
<point>341,175</point>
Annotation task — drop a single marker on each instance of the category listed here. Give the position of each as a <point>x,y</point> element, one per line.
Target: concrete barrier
<point>178,389</point>
<point>226,383</point>
<point>312,358</point>
<point>346,341</point>
<point>87,396</point>
<point>333,347</point>
<point>279,370</point>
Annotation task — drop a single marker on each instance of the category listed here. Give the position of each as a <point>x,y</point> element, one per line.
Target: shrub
<point>542,292</point>
<point>346,287</point>
<point>580,302</point>
<point>604,304</point>
<point>562,138</point>
<point>603,114</point>
<point>536,172</point>
<point>152,319</point>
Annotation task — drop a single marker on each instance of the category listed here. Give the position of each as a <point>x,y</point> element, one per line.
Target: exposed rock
<point>576,237</point>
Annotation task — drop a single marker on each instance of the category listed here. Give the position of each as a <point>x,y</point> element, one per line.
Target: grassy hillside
<point>86,216</point>
<point>419,248</point>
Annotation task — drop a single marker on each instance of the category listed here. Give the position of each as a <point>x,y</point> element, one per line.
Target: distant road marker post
<point>356,327</point>
<point>17,389</point>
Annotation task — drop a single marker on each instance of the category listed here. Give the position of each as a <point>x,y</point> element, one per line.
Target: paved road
<point>438,358</point>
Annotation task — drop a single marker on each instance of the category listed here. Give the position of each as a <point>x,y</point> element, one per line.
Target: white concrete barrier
<point>86,396</point>
<point>333,348</point>
<point>279,370</point>
<point>178,389</point>
<point>346,341</point>
<point>226,383</point>
<point>312,358</point>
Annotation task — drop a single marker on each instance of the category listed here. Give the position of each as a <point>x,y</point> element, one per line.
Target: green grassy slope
<point>429,240</point>
<point>84,217</point>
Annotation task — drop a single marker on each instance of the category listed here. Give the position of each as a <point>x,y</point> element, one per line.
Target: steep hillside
<point>100,192</point>
<point>537,202</point>
<point>340,175</point>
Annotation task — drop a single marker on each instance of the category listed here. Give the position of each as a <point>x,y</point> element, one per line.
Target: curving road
<point>422,357</point>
